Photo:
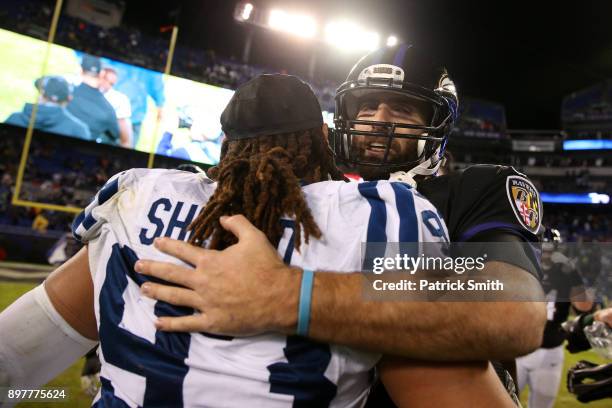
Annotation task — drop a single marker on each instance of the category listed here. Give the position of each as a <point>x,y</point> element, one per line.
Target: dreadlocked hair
<point>260,178</point>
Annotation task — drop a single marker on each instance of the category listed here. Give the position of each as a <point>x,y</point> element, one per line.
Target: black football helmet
<point>403,71</point>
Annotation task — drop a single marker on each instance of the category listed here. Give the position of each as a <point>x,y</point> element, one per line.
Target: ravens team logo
<point>525,202</point>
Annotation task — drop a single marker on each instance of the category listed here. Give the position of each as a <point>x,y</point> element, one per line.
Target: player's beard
<point>398,154</point>
<point>372,173</point>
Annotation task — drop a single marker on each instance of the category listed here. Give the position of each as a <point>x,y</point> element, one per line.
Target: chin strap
<point>424,169</point>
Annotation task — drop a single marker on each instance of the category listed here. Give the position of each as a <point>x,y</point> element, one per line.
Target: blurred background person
<point>120,103</point>
<point>138,85</point>
<point>90,106</point>
<point>542,369</point>
<point>589,381</point>
<point>52,115</point>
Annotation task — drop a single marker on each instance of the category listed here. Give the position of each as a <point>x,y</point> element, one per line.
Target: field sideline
<point>9,291</point>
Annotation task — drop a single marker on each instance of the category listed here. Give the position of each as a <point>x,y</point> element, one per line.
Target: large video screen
<point>107,101</point>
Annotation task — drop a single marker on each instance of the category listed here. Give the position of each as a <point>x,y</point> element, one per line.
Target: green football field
<point>70,378</point>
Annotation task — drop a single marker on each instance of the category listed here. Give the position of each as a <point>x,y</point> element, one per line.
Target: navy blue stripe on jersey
<point>75,224</point>
<point>89,221</point>
<point>107,396</point>
<point>289,250</point>
<point>163,368</point>
<point>400,55</point>
<point>166,309</point>
<point>178,343</point>
<point>408,236</point>
<point>404,201</point>
<point>303,375</point>
<point>108,191</point>
<point>377,224</point>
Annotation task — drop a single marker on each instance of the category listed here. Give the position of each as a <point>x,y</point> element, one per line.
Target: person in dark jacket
<point>52,115</point>
<point>90,105</point>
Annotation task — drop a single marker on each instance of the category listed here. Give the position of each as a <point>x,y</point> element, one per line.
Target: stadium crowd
<point>70,175</point>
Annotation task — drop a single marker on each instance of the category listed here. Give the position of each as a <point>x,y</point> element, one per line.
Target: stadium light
<point>246,11</point>
<point>298,24</point>
<point>391,41</point>
<point>349,36</point>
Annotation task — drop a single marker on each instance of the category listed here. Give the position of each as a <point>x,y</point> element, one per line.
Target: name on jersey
<point>168,219</point>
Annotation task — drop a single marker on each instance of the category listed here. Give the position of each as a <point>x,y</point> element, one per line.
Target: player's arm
<point>440,331</point>
<point>49,328</point>
<point>70,290</point>
<point>416,384</point>
<point>247,289</point>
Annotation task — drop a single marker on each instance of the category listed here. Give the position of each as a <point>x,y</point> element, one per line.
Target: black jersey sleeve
<point>489,203</point>
<point>488,197</point>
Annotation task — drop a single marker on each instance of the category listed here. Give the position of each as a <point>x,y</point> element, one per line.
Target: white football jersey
<point>143,367</point>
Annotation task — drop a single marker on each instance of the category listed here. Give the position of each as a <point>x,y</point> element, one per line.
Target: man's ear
<point>325,131</point>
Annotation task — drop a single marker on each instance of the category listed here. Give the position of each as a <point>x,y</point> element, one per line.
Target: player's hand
<point>243,290</point>
<point>604,315</point>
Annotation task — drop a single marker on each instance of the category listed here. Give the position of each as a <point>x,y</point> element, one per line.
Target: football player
<point>392,121</point>
<point>542,369</point>
<point>273,147</point>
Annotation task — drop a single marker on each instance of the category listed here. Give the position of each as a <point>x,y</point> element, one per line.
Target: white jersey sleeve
<point>86,225</point>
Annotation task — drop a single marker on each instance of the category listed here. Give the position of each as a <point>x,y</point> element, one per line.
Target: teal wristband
<point>305,300</point>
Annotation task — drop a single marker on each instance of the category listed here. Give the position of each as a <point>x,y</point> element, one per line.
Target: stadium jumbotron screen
<point>109,102</point>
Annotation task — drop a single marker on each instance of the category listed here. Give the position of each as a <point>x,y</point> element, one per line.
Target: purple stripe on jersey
<point>507,228</point>
<point>469,234</point>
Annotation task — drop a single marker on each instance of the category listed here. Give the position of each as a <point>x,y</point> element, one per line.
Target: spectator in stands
<point>40,222</point>
<point>120,102</point>
<point>6,192</point>
<point>89,105</point>
<point>52,115</point>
